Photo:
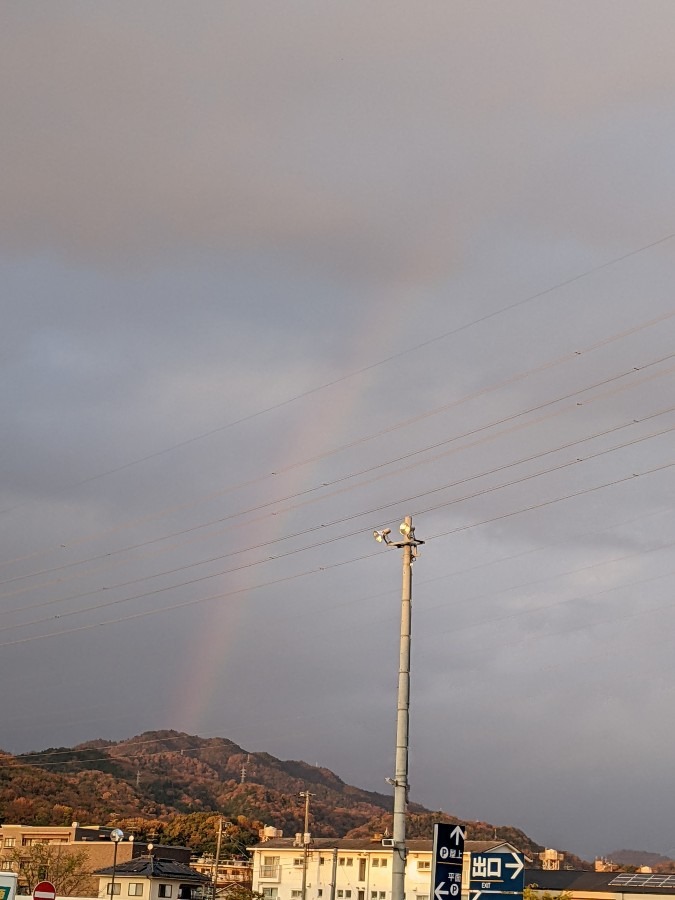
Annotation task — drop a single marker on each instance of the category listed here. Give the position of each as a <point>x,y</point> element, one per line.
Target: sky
<point>276,275</point>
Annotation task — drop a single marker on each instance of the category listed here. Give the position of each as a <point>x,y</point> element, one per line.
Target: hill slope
<point>163,774</point>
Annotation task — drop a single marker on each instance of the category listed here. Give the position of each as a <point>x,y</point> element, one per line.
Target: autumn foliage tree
<point>67,871</point>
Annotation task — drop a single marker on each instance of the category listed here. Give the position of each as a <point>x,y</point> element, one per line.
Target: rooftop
<point>414,845</point>
<point>609,882</point>
<point>156,867</point>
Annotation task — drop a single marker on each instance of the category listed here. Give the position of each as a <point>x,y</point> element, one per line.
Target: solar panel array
<point>644,880</point>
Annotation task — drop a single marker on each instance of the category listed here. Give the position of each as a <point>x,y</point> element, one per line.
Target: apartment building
<point>362,868</point>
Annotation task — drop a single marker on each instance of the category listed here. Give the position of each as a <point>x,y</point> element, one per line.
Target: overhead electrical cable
<point>631,371</point>
<point>391,358</point>
<point>244,566</point>
<point>25,759</point>
<point>457,482</point>
<point>543,504</point>
<point>520,376</point>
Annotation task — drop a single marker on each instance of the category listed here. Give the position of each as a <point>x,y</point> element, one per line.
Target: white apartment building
<point>362,868</point>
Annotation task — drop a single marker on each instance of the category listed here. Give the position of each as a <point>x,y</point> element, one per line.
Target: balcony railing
<point>270,872</point>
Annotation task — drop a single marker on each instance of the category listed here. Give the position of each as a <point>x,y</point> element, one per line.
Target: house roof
<point>608,882</point>
<point>414,845</point>
<point>154,867</point>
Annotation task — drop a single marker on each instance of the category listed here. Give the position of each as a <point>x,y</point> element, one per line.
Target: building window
<point>383,863</point>
<point>319,893</point>
<point>113,888</point>
<point>322,860</point>
<point>296,894</point>
<point>382,895</point>
<point>270,867</point>
<point>10,842</point>
<point>270,893</point>
<point>136,889</point>
<point>6,865</point>
<point>373,895</point>
<point>297,861</point>
<point>341,861</point>
<point>423,865</point>
<point>164,890</point>
<point>362,870</point>
<point>350,861</point>
<point>376,862</point>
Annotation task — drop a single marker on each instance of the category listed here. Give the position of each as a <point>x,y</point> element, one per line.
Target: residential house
<point>152,878</point>
<point>16,840</point>
<point>231,872</point>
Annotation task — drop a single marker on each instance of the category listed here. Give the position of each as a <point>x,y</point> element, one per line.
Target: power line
<point>220,596</point>
<point>233,516</point>
<point>364,439</point>
<point>482,492</point>
<point>424,344</point>
<point>21,760</point>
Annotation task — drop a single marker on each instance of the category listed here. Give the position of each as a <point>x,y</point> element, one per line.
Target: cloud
<point>207,213</point>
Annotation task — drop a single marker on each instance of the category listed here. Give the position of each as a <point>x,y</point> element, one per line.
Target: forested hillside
<point>172,787</point>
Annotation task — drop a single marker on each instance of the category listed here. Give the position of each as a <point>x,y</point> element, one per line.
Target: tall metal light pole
<point>409,544</point>
<point>305,844</point>
<point>116,835</point>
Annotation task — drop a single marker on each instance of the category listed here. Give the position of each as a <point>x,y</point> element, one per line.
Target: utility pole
<point>305,844</point>
<point>333,875</point>
<point>409,544</point>
<point>217,860</point>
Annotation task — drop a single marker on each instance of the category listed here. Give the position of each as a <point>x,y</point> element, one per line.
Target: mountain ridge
<point>158,775</point>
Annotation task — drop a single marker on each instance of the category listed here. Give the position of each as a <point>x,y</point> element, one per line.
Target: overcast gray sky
<point>275,275</point>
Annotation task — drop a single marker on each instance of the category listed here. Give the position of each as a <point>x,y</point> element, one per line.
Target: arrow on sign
<point>475,895</point>
<point>457,834</point>
<point>438,893</point>
<point>517,865</point>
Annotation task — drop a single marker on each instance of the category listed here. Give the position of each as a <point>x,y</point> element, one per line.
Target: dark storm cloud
<point>209,211</point>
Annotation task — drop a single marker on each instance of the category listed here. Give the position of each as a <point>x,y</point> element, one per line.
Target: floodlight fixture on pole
<point>409,544</point>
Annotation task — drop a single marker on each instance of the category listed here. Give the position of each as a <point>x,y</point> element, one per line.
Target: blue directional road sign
<point>496,876</point>
<point>448,856</point>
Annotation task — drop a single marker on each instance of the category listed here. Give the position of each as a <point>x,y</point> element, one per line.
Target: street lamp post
<point>116,835</point>
<point>409,544</point>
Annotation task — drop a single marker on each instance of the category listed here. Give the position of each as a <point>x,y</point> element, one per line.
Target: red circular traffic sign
<point>45,890</point>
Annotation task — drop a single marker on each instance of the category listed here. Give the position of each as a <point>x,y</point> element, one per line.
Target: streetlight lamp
<point>116,835</point>
<point>409,544</point>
